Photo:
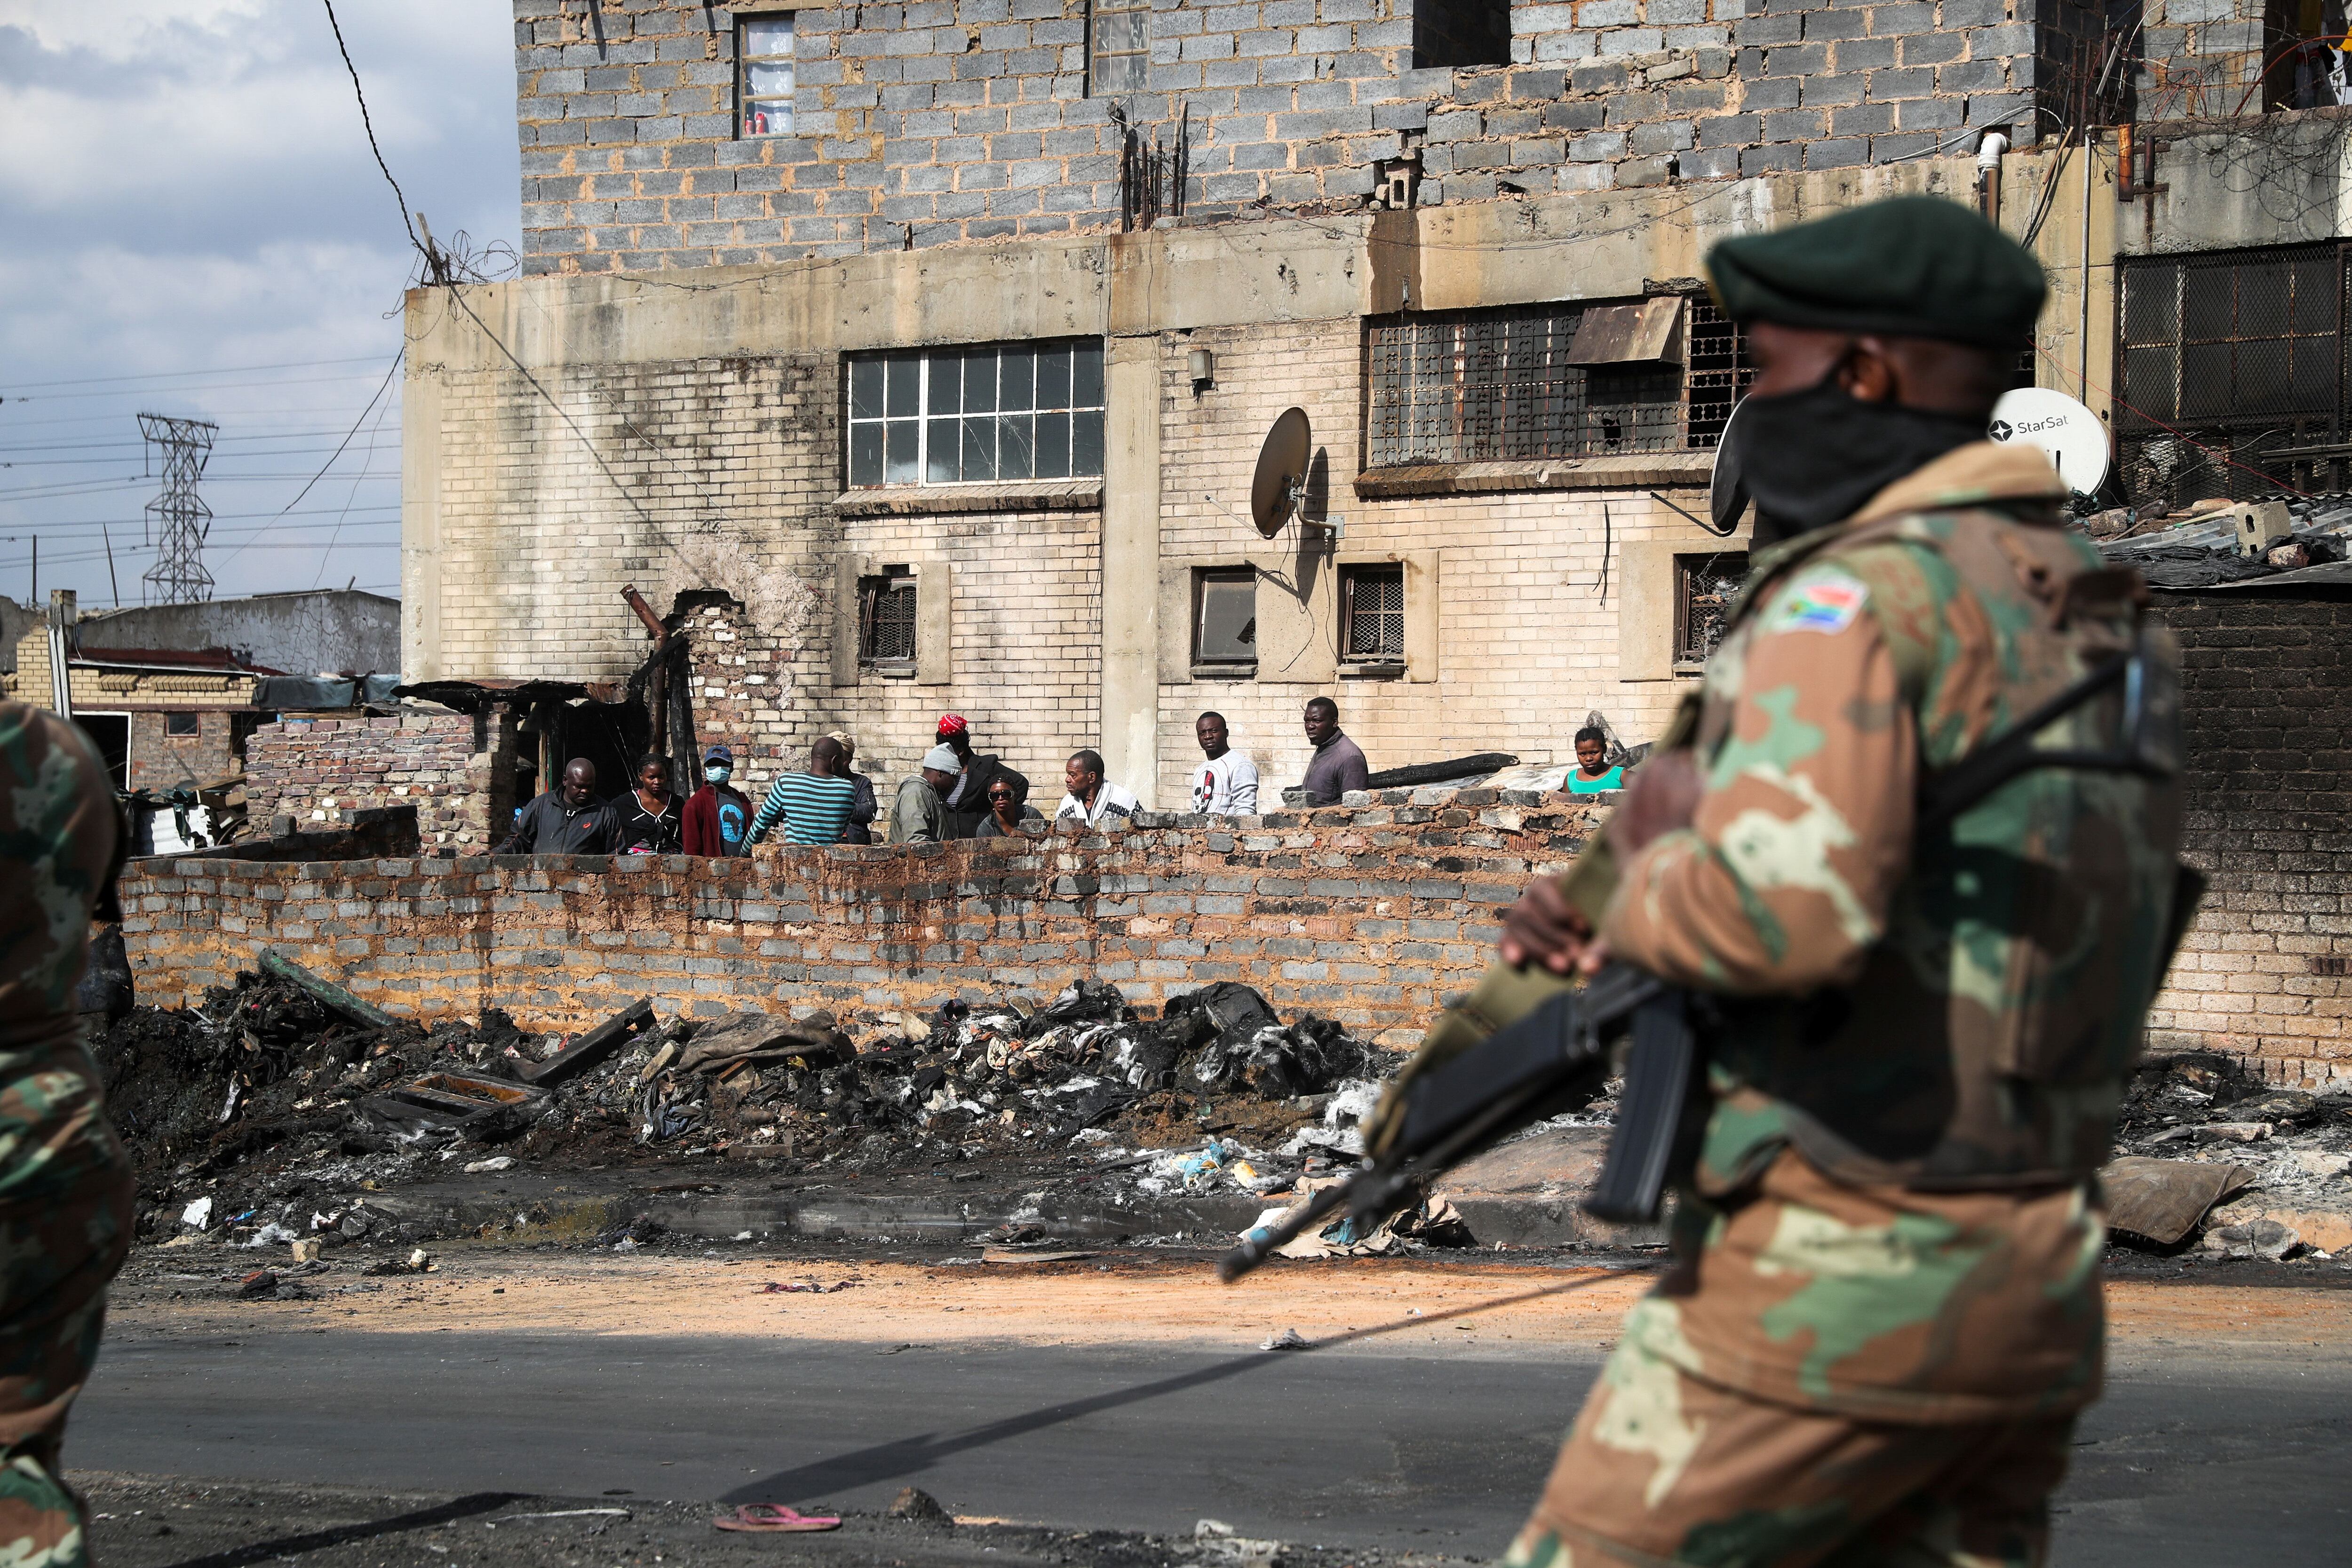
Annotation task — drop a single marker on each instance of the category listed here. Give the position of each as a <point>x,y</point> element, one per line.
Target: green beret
<point>1915,267</point>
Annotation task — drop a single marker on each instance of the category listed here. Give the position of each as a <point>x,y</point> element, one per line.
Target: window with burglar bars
<point>1705,588</point>
<point>2232,379</point>
<point>995,411</point>
<point>1371,615</point>
<point>1468,386</point>
<point>763,74</point>
<point>886,619</point>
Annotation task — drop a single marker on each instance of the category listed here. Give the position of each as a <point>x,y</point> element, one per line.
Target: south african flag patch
<point>1824,600</point>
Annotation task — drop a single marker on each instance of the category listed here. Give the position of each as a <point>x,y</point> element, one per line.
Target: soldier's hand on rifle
<point>1543,928</point>
<point>1663,797</point>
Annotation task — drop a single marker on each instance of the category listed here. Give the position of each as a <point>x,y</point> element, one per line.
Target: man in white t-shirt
<point>1225,784</point>
<point>1092,799</point>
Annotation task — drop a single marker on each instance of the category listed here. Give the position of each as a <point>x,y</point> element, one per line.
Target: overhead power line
<point>10,389</point>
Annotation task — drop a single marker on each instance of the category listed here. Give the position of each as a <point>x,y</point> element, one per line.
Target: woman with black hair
<point>650,817</point>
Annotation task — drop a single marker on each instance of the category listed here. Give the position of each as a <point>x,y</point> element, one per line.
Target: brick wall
<point>1528,622</point>
<point>162,761</point>
<point>733,516</point>
<point>1369,915</point>
<point>457,770</point>
<point>2268,706</point>
<point>944,119</point>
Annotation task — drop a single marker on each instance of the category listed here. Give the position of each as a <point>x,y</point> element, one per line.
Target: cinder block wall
<point>2268,710</point>
<point>457,770</point>
<point>1368,915</point>
<point>947,120</point>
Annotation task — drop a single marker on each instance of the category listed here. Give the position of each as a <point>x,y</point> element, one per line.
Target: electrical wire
<point>11,388</point>
<point>369,126</point>
<point>391,371</point>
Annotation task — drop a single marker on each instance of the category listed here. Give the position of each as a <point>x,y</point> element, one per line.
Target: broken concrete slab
<point>1528,1193</point>
<point>2162,1201</point>
<point>2327,1229</point>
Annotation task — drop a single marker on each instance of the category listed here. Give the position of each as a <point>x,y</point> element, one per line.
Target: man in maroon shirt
<point>718,816</point>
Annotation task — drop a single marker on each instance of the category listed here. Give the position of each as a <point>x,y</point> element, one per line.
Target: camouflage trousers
<point>64,1225</point>
<point>1838,1375</point>
<point>1740,1483</point>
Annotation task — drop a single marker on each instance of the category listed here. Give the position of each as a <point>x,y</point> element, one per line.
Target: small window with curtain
<point>1118,47</point>
<point>763,74</point>
<point>990,413</point>
<point>885,621</point>
<point>1224,619</point>
<point>1371,615</point>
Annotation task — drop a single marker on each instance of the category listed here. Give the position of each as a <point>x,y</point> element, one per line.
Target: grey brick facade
<point>918,125</point>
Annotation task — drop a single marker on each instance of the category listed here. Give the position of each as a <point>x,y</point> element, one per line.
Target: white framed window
<point>967,415</point>
<point>1118,47</point>
<point>763,74</point>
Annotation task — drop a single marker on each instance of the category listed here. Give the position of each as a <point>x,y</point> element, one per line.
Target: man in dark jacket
<point>567,820</point>
<point>966,800</point>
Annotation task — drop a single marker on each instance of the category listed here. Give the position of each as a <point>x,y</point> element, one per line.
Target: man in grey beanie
<point>917,816</point>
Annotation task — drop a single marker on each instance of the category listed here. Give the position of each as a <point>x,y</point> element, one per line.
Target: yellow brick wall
<point>1529,641</point>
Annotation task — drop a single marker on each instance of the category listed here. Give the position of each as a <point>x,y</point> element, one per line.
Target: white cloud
<point>189,188</point>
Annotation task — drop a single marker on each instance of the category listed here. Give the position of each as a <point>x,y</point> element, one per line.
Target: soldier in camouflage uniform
<point>1884,1312</point>
<point>65,1183</point>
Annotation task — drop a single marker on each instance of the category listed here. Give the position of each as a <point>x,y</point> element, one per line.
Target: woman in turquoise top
<point>1589,776</point>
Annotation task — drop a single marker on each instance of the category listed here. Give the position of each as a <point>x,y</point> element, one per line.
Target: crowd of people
<point>957,791</point>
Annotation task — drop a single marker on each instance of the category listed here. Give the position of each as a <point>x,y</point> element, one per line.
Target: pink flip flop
<point>774,1516</point>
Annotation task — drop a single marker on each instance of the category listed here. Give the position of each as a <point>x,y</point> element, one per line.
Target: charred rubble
<point>2205,1149</point>
<point>264,1094</point>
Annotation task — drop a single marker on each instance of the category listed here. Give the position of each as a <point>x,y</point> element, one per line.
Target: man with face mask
<point>1884,1316</point>
<point>717,819</point>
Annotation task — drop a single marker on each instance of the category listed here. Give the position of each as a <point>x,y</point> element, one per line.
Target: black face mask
<point>1811,459</point>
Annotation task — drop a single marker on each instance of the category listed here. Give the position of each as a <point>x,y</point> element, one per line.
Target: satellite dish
<point>1281,478</point>
<point>2072,435</point>
<point>1727,491</point>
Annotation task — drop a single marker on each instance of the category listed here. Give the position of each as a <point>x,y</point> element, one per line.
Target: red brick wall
<point>160,761</point>
<point>457,769</point>
<point>1368,915</point>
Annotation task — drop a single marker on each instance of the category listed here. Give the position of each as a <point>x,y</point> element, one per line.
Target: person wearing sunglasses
<point>1008,808</point>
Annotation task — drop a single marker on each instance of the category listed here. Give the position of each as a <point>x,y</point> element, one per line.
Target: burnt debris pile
<point>2210,1157</point>
<point>281,1081</point>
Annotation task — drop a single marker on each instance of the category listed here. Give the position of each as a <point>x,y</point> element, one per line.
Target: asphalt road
<point>2197,1461</point>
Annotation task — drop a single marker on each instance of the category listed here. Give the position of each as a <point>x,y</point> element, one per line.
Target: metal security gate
<point>2232,380</point>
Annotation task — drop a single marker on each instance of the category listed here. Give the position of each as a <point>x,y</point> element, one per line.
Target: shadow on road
<point>913,1455</point>
<point>290,1545</point>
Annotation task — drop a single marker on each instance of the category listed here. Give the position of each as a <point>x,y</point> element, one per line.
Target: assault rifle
<point>1559,1051</point>
<point>1515,1077</point>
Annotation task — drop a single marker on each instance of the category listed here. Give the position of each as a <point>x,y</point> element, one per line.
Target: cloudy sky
<point>195,227</point>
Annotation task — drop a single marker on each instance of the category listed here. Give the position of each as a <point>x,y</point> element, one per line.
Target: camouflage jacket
<point>1950,1008</point>
<point>59,835</point>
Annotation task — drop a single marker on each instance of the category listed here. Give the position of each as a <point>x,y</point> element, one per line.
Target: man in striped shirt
<point>813,806</point>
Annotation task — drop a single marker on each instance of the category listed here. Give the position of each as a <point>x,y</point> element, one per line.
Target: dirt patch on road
<point>1109,1297</point>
